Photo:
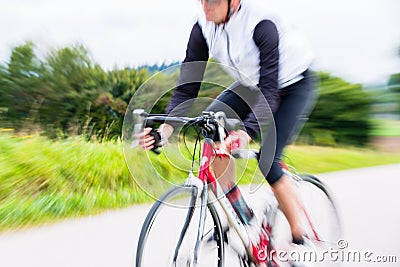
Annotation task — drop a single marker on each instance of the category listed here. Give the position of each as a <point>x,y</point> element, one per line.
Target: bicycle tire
<point>211,239</point>
<point>335,219</point>
<point>321,221</point>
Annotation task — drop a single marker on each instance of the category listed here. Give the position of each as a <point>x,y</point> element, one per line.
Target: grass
<point>43,181</point>
<point>314,159</point>
<point>386,127</point>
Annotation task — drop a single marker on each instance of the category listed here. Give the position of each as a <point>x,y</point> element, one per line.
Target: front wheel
<point>169,233</point>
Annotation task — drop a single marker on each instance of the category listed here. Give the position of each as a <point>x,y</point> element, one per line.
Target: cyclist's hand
<point>147,140</point>
<point>236,140</point>
<point>151,139</point>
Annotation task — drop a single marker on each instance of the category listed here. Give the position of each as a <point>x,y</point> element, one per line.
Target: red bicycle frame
<point>259,252</point>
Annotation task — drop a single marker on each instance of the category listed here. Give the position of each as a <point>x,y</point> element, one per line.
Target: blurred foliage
<point>158,68</point>
<point>342,114</point>
<point>394,87</point>
<point>66,94</point>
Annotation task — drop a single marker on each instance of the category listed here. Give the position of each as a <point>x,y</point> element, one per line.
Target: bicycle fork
<point>203,191</point>
<point>192,206</point>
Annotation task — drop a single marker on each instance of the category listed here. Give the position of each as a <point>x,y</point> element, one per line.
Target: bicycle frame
<point>207,177</point>
<point>257,254</point>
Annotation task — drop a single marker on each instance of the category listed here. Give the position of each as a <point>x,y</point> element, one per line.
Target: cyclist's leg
<point>295,105</point>
<point>235,102</point>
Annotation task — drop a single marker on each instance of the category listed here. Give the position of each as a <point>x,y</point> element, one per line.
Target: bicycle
<point>201,234</point>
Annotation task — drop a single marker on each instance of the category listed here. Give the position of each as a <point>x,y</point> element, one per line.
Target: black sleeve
<point>266,38</point>
<point>191,73</point>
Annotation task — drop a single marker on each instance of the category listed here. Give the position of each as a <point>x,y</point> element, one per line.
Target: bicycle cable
<point>187,127</point>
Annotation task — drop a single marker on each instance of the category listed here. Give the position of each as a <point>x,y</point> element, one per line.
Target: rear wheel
<point>320,220</point>
<point>169,233</point>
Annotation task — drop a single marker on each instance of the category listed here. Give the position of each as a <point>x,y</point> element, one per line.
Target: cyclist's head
<point>219,11</point>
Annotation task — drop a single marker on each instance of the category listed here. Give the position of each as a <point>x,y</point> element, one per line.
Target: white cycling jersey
<point>232,45</point>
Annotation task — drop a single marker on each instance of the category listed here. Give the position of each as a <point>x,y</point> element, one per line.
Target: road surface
<point>368,201</point>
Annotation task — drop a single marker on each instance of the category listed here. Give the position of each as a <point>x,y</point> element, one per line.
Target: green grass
<point>44,181</point>
<point>386,127</point>
<point>313,159</point>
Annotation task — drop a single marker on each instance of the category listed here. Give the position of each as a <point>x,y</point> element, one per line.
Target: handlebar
<point>211,123</point>
<point>207,118</point>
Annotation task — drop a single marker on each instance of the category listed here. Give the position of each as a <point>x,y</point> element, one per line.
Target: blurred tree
<point>73,82</point>
<point>394,82</point>
<point>341,115</point>
<point>4,96</point>
<point>106,117</point>
<point>67,92</point>
<point>108,110</point>
<point>19,81</point>
<point>124,83</point>
<point>394,86</point>
<point>158,68</point>
<point>4,84</point>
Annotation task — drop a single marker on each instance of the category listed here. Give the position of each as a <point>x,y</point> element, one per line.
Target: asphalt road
<point>368,201</point>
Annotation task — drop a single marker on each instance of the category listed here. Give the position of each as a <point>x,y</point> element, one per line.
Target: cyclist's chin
<point>213,18</point>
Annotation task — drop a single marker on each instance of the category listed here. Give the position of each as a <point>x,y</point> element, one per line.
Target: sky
<point>357,40</point>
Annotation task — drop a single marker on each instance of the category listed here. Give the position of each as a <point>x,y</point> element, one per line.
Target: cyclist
<point>269,61</point>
